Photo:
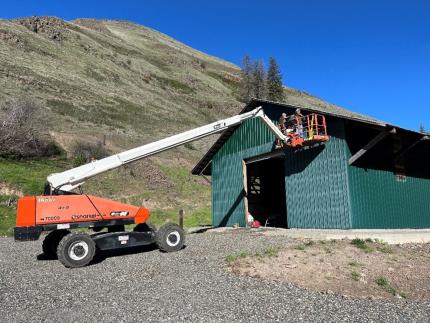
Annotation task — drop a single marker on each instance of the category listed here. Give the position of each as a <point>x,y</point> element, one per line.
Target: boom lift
<point>59,210</point>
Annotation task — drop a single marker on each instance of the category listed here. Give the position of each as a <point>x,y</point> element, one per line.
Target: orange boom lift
<point>60,209</point>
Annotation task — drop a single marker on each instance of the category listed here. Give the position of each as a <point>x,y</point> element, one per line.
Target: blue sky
<point>372,57</point>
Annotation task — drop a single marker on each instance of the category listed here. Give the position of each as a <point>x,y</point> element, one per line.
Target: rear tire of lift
<point>51,241</point>
<point>170,237</point>
<point>76,250</point>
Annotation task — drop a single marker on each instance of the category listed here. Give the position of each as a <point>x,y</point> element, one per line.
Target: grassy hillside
<point>124,84</point>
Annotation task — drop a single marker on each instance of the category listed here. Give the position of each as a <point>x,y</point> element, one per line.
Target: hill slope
<point>127,84</point>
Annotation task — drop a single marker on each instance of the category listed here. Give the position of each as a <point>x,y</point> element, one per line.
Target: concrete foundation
<point>391,236</point>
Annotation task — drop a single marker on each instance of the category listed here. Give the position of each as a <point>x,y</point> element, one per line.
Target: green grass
<point>185,182</point>
<point>236,256</point>
<point>385,249</point>
<point>230,83</point>
<point>362,244</point>
<point>300,247</point>
<point>7,220</point>
<point>304,245</point>
<point>198,217</point>
<point>354,264</point>
<point>271,251</point>
<point>29,176</point>
<point>167,83</point>
<point>355,276</point>
<point>383,282</point>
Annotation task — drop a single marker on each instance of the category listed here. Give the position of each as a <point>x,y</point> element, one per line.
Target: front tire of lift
<point>76,250</point>
<point>170,237</point>
<point>51,241</point>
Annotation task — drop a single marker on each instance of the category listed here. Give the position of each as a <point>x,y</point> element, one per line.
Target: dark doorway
<point>266,198</point>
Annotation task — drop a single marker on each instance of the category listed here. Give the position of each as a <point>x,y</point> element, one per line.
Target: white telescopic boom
<point>70,179</point>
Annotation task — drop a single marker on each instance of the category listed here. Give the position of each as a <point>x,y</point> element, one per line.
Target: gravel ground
<point>190,285</point>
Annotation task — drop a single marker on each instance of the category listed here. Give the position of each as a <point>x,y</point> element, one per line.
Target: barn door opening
<point>265,191</point>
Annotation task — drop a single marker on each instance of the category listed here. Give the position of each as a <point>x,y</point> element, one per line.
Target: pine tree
<point>422,129</point>
<point>259,80</point>
<point>275,90</point>
<point>246,85</point>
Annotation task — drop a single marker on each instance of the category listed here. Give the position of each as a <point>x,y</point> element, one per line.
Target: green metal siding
<point>322,190</point>
<point>250,139</point>
<point>316,181</point>
<point>378,200</point>
<point>317,184</point>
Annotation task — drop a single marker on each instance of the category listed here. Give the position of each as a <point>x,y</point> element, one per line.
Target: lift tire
<point>145,227</point>
<point>76,250</point>
<point>51,241</point>
<point>170,237</point>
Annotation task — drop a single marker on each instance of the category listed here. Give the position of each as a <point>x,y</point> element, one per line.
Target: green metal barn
<point>369,174</point>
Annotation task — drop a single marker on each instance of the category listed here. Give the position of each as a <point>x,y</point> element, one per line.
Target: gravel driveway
<point>190,285</point>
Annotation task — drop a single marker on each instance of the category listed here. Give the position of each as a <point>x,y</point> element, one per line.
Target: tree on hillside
<point>246,86</point>
<point>422,128</point>
<point>259,80</point>
<point>275,90</point>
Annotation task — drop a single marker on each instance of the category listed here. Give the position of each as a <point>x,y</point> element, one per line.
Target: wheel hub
<point>173,238</point>
<point>78,250</point>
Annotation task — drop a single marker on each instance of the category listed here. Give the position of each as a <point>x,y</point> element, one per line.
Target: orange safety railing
<point>315,127</point>
<point>311,130</point>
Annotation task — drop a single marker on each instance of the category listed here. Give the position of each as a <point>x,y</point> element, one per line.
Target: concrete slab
<point>390,236</point>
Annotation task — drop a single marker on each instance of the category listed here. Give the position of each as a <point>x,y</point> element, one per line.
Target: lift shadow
<point>102,255</point>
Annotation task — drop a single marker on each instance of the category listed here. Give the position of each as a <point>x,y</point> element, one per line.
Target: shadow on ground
<point>102,255</point>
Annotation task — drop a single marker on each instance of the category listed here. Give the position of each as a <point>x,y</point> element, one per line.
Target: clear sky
<point>368,56</point>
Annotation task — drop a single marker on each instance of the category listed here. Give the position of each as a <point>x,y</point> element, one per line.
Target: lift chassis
<point>60,210</point>
<point>59,214</point>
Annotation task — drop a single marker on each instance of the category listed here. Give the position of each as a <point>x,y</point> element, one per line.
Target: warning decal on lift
<point>123,239</point>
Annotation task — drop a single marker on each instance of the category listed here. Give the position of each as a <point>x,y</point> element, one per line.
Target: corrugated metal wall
<point>250,139</point>
<point>317,184</point>
<point>378,200</point>
<point>316,181</point>
<point>322,190</point>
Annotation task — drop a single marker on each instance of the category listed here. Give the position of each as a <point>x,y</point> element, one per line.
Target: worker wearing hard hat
<point>282,121</point>
<point>298,122</point>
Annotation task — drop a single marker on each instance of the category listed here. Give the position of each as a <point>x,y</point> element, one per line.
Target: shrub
<point>361,244</point>
<point>355,276</point>
<point>84,152</point>
<point>383,282</point>
<point>19,136</point>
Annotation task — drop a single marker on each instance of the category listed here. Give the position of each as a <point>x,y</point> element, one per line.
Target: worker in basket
<point>282,123</point>
<point>298,123</point>
<point>292,125</point>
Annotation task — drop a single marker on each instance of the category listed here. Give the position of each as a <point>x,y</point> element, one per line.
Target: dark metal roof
<point>203,167</point>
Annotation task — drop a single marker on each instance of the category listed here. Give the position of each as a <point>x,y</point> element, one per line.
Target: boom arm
<point>70,179</point>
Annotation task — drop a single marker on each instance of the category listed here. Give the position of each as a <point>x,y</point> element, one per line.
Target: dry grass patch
<point>364,269</point>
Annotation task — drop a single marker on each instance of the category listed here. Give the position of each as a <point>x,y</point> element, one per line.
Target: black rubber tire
<point>170,237</point>
<point>145,227</point>
<point>51,241</point>
<point>65,250</point>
